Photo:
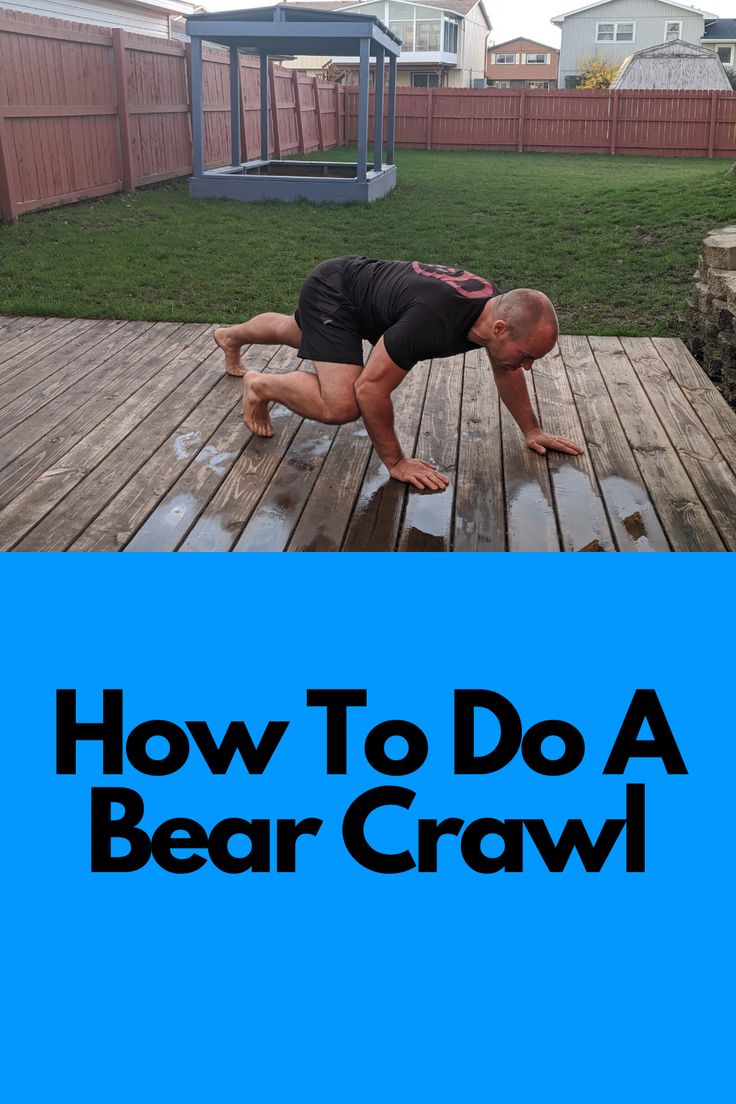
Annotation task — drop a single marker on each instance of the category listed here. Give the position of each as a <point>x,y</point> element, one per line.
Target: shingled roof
<point>673,65</point>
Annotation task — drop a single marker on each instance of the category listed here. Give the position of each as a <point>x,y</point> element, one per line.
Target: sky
<point>510,18</point>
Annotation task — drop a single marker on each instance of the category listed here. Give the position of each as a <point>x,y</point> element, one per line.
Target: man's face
<point>509,353</point>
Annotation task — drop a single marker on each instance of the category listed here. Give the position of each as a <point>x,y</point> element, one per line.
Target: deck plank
<point>32,344</point>
<point>583,523</point>
<point>186,446</point>
<point>129,436</point>
<point>51,484</point>
<point>45,436</point>
<point>26,393</point>
<point>633,518</point>
<point>480,513</point>
<point>223,519</point>
<point>184,502</point>
<point>88,496</point>
<point>713,479</point>
<point>689,528</point>
<point>530,512</point>
<point>706,400</point>
<point>376,519</point>
<point>427,522</point>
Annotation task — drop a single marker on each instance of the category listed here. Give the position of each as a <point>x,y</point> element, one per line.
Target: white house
<point>614,29</point>
<point>721,37</point>
<point>443,42</point>
<point>147,17</point>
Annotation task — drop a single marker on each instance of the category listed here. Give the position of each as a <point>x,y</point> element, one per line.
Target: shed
<point>673,65</point>
<point>287,29</point>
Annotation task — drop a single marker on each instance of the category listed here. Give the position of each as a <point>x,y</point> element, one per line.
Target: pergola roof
<point>288,29</point>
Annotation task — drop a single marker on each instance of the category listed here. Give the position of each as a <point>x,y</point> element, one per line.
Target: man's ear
<point>500,327</point>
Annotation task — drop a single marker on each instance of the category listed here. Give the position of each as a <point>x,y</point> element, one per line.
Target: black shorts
<point>327,319</point>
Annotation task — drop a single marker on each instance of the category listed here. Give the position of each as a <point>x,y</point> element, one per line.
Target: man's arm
<point>515,397</point>
<point>373,390</point>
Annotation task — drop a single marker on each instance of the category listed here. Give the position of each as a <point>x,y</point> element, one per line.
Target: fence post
<point>430,116</point>
<point>298,104</point>
<point>712,123</point>
<point>121,85</point>
<point>320,133</point>
<point>8,198</point>
<point>522,109</point>
<point>274,112</point>
<point>615,95</point>
<point>188,64</point>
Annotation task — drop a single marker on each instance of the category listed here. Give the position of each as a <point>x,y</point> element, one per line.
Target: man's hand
<point>420,475</point>
<point>539,441</point>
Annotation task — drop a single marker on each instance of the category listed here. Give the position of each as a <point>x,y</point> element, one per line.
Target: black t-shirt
<point>420,310</point>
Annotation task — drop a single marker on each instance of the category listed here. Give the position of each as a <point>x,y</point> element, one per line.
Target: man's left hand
<point>539,441</point>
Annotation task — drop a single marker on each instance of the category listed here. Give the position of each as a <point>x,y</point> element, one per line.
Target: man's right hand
<point>420,475</point>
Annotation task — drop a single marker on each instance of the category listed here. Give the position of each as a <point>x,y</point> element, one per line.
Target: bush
<point>596,73</point>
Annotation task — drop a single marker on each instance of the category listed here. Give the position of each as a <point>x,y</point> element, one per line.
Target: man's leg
<point>327,397</point>
<point>264,329</point>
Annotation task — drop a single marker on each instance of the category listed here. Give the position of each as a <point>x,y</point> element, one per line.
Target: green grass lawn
<point>612,240</point>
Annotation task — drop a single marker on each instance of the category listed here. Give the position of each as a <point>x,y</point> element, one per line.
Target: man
<point>409,311</point>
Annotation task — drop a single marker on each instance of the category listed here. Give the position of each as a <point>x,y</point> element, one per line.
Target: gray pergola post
<point>197,109</point>
<point>363,89</point>
<point>235,105</point>
<point>264,107</point>
<point>378,111</point>
<point>391,110</point>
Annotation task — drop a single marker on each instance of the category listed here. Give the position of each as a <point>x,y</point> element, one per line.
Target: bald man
<point>408,311</point>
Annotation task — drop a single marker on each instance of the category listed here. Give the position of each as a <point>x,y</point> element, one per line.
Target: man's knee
<point>342,411</point>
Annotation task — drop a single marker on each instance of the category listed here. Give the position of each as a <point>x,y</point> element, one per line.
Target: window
<point>614,32</point>
<point>672,30</point>
<point>405,31</point>
<point>449,40</point>
<point>428,35</point>
<point>505,59</point>
<point>425,80</point>
<point>536,59</point>
<point>537,84</point>
<point>725,53</point>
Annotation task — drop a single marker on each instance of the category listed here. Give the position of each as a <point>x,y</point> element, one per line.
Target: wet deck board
<point>127,436</point>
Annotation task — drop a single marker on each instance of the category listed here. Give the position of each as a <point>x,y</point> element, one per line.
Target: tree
<point>731,74</point>
<point>596,73</point>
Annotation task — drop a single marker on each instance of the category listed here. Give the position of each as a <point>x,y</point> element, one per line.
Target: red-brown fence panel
<point>58,108</point>
<point>158,104</point>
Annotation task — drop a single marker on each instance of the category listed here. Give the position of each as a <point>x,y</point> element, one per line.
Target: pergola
<point>282,30</point>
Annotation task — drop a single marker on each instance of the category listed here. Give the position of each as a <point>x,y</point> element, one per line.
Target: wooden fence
<point>668,124</point>
<point>85,111</point>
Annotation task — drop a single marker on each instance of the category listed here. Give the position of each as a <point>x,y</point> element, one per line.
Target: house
<point>146,17</point>
<point>613,29</point>
<point>678,65</point>
<point>720,36</point>
<point>522,63</point>
<point>443,42</point>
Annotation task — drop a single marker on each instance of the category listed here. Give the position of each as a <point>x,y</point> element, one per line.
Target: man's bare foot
<point>233,364</point>
<point>255,410</point>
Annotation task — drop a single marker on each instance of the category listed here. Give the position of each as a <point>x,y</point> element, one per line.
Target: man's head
<point>521,326</point>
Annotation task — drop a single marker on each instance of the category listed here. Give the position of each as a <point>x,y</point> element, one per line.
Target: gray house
<point>614,29</point>
<point>678,65</point>
<point>721,37</point>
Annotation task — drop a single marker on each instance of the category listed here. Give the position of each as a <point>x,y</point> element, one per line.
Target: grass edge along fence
<point>86,111</point>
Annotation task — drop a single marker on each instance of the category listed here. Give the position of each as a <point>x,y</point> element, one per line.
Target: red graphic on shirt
<point>464,283</point>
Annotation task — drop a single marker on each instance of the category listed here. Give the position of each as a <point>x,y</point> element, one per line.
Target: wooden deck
<point>126,436</point>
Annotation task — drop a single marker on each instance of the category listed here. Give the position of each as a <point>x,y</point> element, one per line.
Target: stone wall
<point>711,311</point>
